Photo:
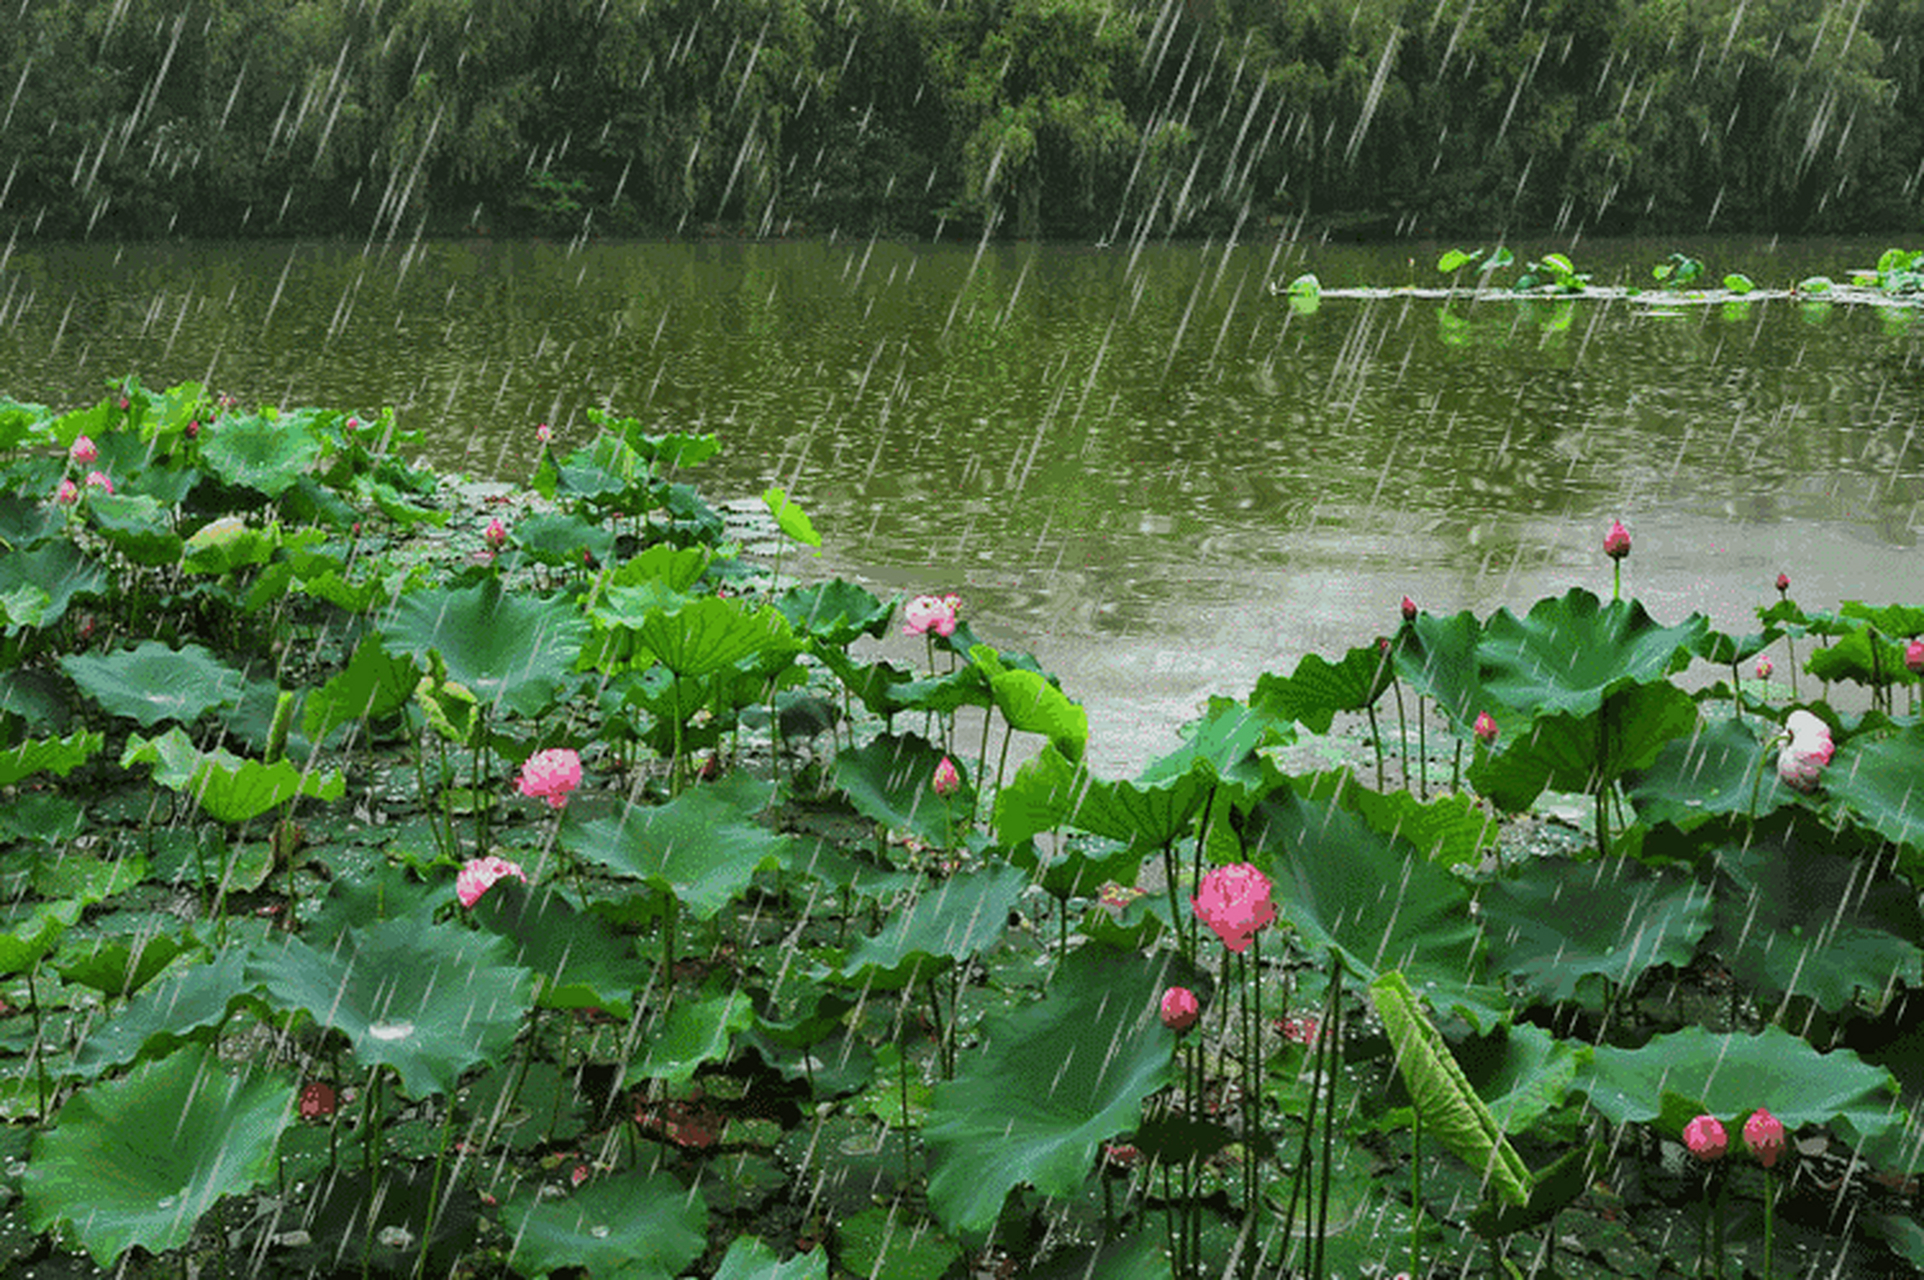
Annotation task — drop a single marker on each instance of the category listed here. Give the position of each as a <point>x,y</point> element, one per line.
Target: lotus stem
<point>1770,1201</point>
<point>1403,726</point>
<point>1376,744</point>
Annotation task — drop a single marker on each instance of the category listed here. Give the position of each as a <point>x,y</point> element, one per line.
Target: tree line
<point>1084,119</point>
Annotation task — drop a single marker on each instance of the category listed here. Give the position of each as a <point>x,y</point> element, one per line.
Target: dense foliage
<point>1083,118</point>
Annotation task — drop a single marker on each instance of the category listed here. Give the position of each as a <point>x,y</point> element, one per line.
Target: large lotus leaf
<point>509,650</point>
<point>560,539</point>
<point>1572,752</point>
<point>1721,769</point>
<point>57,569</point>
<point>1038,798</point>
<point>228,787</point>
<point>229,543</point>
<point>30,935</point>
<point>1371,897</point>
<point>696,1032</point>
<point>704,846</point>
<point>1729,1075</point>
<point>713,633</point>
<point>836,612</point>
<point>966,686</point>
<point>1556,923</point>
<point>1794,917</point>
<point>151,683</point>
<point>1521,1071</point>
<point>874,683</point>
<point>373,686</point>
<point>1030,701</point>
<point>1862,657</point>
<point>429,1000</point>
<point>1318,688</point>
<point>254,451</point>
<point>878,1241</point>
<point>891,779</point>
<point>1573,651</point>
<point>121,964</point>
<point>630,1227</point>
<point>1451,830</point>
<point>1891,619</point>
<point>674,569</point>
<point>1146,816</point>
<point>136,1162</point>
<point>191,1005</point>
<point>136,526</point>
<point>1224,740</point>
<point>577,960</point>
<point>1876,777</point>
<point>953,920</point>
<point>750,1259</point>
<point>1051,1082</point>
<point>59,756</point>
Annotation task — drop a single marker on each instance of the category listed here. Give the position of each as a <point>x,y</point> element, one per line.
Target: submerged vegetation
<point>1090,119</point>
<point>398,885</point>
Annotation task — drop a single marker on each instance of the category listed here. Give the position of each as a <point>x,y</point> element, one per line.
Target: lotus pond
<point>528,883</point>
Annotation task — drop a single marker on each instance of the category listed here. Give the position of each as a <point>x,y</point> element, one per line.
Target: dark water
<point>1142,465</point>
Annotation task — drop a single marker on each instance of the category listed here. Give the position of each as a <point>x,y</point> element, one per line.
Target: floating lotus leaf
<point>703,847</point>
<point>877,1242</point>
<point>629,1227</point>
<point>119,1183</point>
<point>1573,651</point>
<point>256,451</point>
<point>428,1000</point>
<point>750,1259</point>
<point>151,683</point>
<point>1052,1081</point>
<point>512,651</point>
<point>836,612</point>
<point>891,779</point>
<point>1630,918</point>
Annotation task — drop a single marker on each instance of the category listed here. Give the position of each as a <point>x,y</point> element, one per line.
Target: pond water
<point>1136,461</point>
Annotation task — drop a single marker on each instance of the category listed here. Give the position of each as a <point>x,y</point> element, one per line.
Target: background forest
<point>1088,119</point>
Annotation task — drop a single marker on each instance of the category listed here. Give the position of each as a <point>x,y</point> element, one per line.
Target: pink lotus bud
<point>1764,1135</point>
<point>67,494</point>
<point>947,780</point>
<point>1783,583</point>
<point>1802,760</point>
<point>99,480</point>
<point>1234,901</point>
<point>1484,728</point>
<point>83,452</point>
<point>193,429</point>
<point>1763,667</point>
<point>1616,543</point>
<point>123,404</point>
<point>495,535</point>
<point>479,875</point>
<point>1914,657</point>
<point>1409,609</point>
<point>1706,1139</point>
<point>352,425</point>
<point>551,775</point>
<point>544,435</point>
<point>1179,1009</point>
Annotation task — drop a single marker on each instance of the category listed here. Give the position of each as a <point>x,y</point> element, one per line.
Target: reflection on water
<point>1145,466</point>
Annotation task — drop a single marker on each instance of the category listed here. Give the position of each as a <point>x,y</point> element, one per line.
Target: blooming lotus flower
<point>1485,728</point>
<point>495,535</point>
<point>930,613</point>
<point>1180,1009</point>
<point>1616,543</point>
<point>1706,1139</point>
<point>947,780</point>
<point>99,480</point>
<point>1914,657</point>
<point>1764,1135</point>
<point>1803,758</point>
<point>1234,901</point>
<point>83,452</point>
<point>551,775</point>
<point>67,494</point>
<point>1763,667</point>
<point>479,875</point>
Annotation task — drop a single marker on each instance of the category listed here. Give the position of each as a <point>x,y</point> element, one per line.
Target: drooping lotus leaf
<point>1145,816</point>
<point>949,921</point>
<point>1373,898</point>
<point>836,612</point>
<point>510,650</point>
<point>58,570</point>
<point>228,787</point>
<point>1569,752</point>
<point>1875,776</point>
<point>1729,1075</point>
<point>1318,688</point>
<point>1051,1082</point>
<point>151,683</point>
<point>791,519</point>
<point>577,960</point>
<point>59,756</point>
<point>696,1031</point>
<point>1724,649</point>
<point>1722,768</point>
<point>1437,655</point>
<point>136,526</point>
<point>120,965</point>
<point>1630,918</point>
<point>711,633</point>
<point>1224,740</point>
<point>891,779</point>
<point>874,683</point>
<point>704,846</point>
<point>229,543</point>
<point>255,451</point>
<point>373,686</point>
<point>1031,702</point>
<point>1040,797</point>
<point>1573,651</point>
<point>1861,656</point>
<point>749,1259</point>
<point>628,1227</point>
<point>136,1162</point>
<point>189,1006</point>
<point>1521,1071</point>
<point>429,1000</point>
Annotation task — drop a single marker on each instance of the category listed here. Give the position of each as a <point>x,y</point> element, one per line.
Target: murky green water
<point>1141,464</point>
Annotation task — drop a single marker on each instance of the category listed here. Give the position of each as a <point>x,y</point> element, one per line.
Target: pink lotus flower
<point>1234,901</point>
<point>551,775</point>
<point>495,535</point>
<point>99,480</point>
<point>947,780</point>
<point>83,452</point>
<point>351,425</point>
<point>930,613</point>
<point>1764,1135</point>
<point>544,435</point>
<point>1180,1009</point>
<point>1616,543</point>
<point>1802,759</point>
<point>1706,1139</point>
<point>67,494</point>
<point>1763,667</point>
<point>1485,728</point>
<point>1914,657</point>
<point>479,875</point>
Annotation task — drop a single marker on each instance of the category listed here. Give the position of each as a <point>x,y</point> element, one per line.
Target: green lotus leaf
<point>1721,769</point>
<point>791,519</point>
<point>696,1032</point>
<point>874,683</point>
<point>191,1005</point>
<point>59,756</point>
<point>1573,651</point>
<point>836,612</point>
<point>878,1242</point>
<point>560,539</point>
<point>891,779</point>
<point>966,686</point>
<point>89,877</point>
<point>1875,777</point>
<point>1632,917</point>
<point>577,960</point>
<point>1451,830</point>
<point>750,1259</point>
<point>1521,1071</point>
<point>512,651</point>
<point>32,934</point>
<point>703,847</point>
<point>372,687</point>
<point>429,1000</point>
<point>120,965</point>
<point>949,921</point>
<point>1145,816</point>
<point>1040,797</point>
<point>136,526</point>
<point>1862,656</point>
<point>1318,688</point>
<point>674,449</point>
<point>630,1227</point>
<point>117,1184</point>
<point>151,683</point>
<point>228,787</point>
<point>1030,701</point>
<point>711,634</point>
<point>55,570</point>
<point>1051,1082</point>
<point>1437,656</point>
<point>259,452</point>
<point>1694,1072</point>
<point>230,543</point>
<point>1891,619</point>
<point>1225,740</point>
<point>675,569</point>
<point>1571,752</point>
